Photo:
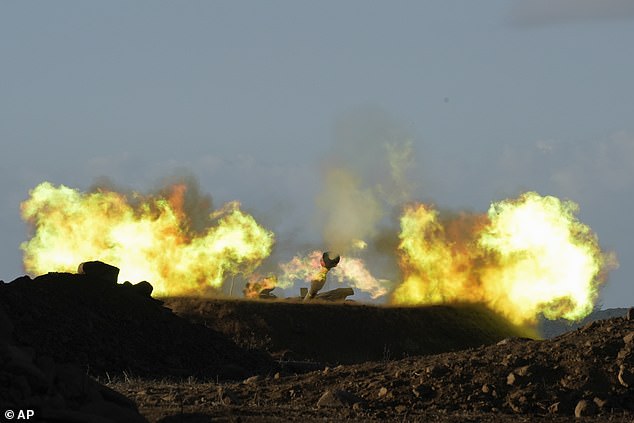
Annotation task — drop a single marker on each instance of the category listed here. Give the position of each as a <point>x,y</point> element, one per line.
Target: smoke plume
<point>364,178</point>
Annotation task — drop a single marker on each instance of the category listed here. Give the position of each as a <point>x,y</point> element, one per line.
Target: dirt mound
<point>586,373</point>
<point>108,328</point>
<point>346,333</point>
<point>36,388</point>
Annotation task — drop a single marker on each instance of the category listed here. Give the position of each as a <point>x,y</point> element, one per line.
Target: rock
<point>338,398</point>
<point>383,392</point>
<point>400,409</point>
<point>359,406</point>
<point>511,379</point>
<point>600,402</point>
<point>517,401</point>
<point>585,408</point>
<point>252,380</point>
<point>515,407</point>
<point>625,377</point>
<point>144,288</point>
<point>329,399</point>
<point>630,314</point>
<point>508,359</point>
<point>629,338</point>
<point>523,371</point>
<point>554,408</point>
<point>100,270</point>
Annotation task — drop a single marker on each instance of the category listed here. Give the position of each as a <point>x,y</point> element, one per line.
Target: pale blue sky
<point>498,97</point>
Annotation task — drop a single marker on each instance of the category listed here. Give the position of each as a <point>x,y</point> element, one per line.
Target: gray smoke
<point>365,183</point>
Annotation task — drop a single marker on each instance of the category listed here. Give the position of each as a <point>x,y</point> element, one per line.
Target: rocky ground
<point>552,328</point>
<point>585,373</point>
<point>81,349</point>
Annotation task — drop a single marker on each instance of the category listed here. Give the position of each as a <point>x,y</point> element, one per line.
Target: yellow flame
<point>149,241</point>
<point>527,256</point>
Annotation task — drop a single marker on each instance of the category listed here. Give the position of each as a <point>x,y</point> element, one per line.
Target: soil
<point>251,361</point>
<point>344,333</point>
<point>582,373</point>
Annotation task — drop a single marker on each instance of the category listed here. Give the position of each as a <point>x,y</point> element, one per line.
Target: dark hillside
<point>347,333</point>
<point>108,328</point>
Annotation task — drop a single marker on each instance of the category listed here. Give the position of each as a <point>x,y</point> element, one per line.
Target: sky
<point>254,99</point>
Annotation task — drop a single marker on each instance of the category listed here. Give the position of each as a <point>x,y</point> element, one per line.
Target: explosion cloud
<point>526,256</point>
<point>148,237</point>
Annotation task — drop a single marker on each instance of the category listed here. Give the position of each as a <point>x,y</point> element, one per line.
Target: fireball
<point>147,237</point>
<point>527,256</point>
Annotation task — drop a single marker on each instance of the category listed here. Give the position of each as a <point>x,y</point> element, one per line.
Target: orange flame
<point>151,240</point>
<point>257,284</point>
<point>526,256</point>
